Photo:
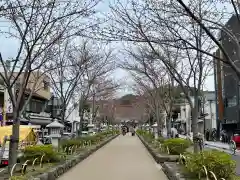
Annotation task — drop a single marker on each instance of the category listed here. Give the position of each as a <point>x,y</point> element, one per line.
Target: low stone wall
<point>173,171</point>
<point>57,171</point>
<point>170,165</point>
<point>159,158</point>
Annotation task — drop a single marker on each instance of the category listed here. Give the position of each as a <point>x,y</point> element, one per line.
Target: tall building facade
<point>226,81</point>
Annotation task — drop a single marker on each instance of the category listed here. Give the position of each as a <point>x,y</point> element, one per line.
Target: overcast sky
<point>9,47</point>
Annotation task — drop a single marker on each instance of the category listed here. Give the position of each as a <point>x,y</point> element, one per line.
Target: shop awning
<point>26,133</point>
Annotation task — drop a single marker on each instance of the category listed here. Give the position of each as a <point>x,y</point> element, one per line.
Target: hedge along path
<point>161,147</point>
<point>183,161</point>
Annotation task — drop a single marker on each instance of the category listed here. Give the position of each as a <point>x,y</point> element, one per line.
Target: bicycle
<point>232,146</point>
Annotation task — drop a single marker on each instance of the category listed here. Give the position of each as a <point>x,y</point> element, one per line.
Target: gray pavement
<point>124,158</point>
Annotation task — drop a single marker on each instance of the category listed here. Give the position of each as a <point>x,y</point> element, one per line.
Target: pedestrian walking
<point>207,134</point>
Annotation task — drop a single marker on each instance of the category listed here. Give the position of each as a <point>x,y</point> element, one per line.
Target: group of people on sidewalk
<point>126,129</point>
<point>211,135</point>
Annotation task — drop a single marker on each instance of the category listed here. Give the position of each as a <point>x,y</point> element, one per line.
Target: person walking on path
<point>132,131</point>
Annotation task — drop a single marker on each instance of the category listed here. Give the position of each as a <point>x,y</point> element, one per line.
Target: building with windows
<point>37,95</point>
<point>54,107</point>
<point>209,110</point>
<point>227,83</point>
<point>74,118</point>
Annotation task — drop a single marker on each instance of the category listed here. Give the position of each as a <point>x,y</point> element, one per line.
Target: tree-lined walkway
<point>124,158</point>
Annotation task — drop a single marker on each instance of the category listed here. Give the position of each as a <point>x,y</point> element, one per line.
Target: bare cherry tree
<point>101,65</point>
<point>71,62</point>
<point>165,31</point>
<point>150,72</point>
<point>104,89</point>
<point>36,26</point>
<point>209,26</point>
<point>156,83</point>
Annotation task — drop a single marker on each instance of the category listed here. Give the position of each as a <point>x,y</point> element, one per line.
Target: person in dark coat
<point>207,134</point>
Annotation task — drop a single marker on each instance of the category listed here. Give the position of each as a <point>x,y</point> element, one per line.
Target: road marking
<point>158,166</point>
<point>1,170</point>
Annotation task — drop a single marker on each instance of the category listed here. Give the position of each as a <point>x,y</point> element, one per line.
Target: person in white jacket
<point>174,132</point>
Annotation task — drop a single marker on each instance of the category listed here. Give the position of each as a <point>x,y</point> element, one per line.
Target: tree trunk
<point>14,140</point>
<point>159,133</point>
<point>195,127</point>
<point>169,125</point>
<point>189,122</point>
<point>81,124</point>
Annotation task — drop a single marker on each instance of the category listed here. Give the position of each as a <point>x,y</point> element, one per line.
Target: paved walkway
<point>124,158</point>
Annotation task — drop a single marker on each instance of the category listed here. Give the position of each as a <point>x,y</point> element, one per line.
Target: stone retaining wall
<point>57,171</point>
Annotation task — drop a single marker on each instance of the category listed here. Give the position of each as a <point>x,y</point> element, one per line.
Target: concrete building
<point>74,118</point>
<point>39,88</point>
<point>54,107</point>
<point>209,110</point>
<point>227,83</point>
<point>184,117</point>
<point>207,113</point>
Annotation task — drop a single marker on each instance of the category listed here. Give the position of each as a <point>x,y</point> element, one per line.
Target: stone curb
<point>165,161</point>
<point>171,172</point>
<point>57,171</point>
<point>159,158</point>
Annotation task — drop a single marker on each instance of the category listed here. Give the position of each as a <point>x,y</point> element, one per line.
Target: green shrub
<point>32,152</point>
<point>218,162</point>
<point>140,132</point>
<point>160,140</point>
<point>176,146</point>
<point>18,178</point>
<point>156,142</point>
<point>147,136</point>
<point>93,139</point>
<point>71,142</point>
